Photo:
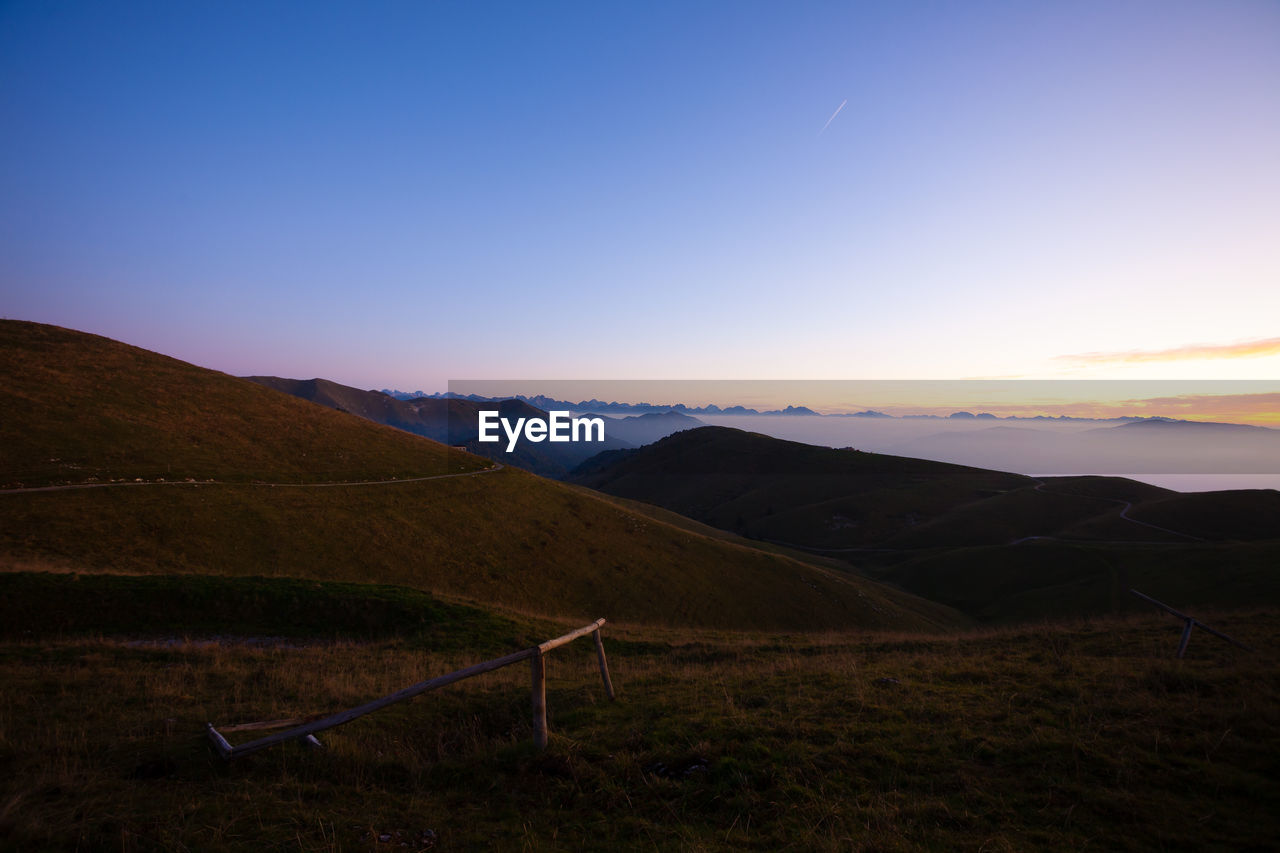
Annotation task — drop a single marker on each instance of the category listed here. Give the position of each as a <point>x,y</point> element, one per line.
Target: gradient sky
<point>396,194</point>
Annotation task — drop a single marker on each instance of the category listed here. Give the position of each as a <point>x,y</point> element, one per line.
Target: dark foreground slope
<point>1065,738</point>
<point>257,483</point>
<point>997,546</point>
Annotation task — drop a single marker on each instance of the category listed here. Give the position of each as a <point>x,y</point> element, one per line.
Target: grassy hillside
<point>1007,517</point>
<point>1242,514</point>
<point>768,488</point>
<point>82,408</point>
<point>174,607</point>
<point>424,417</point>
<point>501,537</point>
<point>996,546</point>
<point>1048,738</point>
<point>1110,488</point>
<point>828,500</point>
<point>508,538</point>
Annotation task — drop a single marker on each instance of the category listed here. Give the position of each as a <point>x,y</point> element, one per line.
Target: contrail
<point>833,116</point>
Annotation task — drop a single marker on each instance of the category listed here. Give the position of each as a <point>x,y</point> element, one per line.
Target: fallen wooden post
<point>267,724</point>
<point>308,730</point>
<point>1189,622</point>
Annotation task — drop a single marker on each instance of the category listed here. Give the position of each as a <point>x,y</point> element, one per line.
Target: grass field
<point>1066,737</point>
<point>506,538</point>
<point>37,604</point>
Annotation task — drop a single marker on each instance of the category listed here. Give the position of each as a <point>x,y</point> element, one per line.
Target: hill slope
<point>85,409</point>
<point>79,407</point>
<point>768,488</point>
<point>996,546</point>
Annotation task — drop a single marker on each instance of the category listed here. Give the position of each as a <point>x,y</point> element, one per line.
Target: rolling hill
<point>996,546</point>
<point>81,408</point>
<point>157,466</point>
<point>772,489</point>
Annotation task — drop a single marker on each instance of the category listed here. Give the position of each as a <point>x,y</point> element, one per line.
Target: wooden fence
<point>1188,622</point>
<point>307,731</point>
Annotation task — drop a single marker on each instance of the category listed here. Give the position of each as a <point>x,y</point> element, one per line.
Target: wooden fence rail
<point>1188,622</point>
<point>308,730</point>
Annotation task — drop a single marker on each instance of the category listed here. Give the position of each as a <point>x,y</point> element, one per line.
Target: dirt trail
<point>1124,513</point>
<point>497,466</point>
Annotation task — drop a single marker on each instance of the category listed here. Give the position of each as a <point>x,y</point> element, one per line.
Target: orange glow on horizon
<point>1244,349</point>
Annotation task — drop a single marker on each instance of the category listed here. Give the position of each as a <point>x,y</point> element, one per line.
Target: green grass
<point>41,604</point>
<point>506,538</point>
<point>1066,737</point>
<point>82,408</point>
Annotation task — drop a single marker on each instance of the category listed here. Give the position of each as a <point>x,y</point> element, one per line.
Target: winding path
<point>1124,513</point>
<point>497,466</point>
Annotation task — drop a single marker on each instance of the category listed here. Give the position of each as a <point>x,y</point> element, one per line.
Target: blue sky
<point>396,194</point>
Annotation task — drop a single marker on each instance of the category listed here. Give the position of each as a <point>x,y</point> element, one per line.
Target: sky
<point>397,194</point>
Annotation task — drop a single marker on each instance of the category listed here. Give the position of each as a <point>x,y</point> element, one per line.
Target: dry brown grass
<point>1055,737</point>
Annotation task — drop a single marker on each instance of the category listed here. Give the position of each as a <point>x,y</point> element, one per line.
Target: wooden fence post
<point>1189,622</point>
<point>604,665</point>
<point>538,665</point>
<point>1186,637</point>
